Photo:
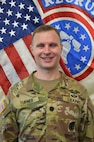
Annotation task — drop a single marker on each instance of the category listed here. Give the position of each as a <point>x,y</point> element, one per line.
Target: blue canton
<point>18,18</point>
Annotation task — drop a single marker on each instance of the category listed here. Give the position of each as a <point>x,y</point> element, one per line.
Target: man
<point>47,106</point>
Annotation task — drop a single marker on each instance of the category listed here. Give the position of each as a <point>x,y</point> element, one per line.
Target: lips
<point>47,58</point>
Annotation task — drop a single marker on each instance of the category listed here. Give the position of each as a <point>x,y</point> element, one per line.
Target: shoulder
<point>73,83</point>
<point>19,84</point>
<point>78,91</point>
<point>22,84</point>
<point>74,86</point>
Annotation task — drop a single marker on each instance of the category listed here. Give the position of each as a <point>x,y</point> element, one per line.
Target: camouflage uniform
<point>63,114</point>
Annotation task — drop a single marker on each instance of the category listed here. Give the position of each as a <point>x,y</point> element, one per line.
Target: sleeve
<point>86,129</point>
<point>9,127</point>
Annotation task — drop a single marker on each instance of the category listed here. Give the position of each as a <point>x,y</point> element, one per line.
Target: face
<point>46,48</point>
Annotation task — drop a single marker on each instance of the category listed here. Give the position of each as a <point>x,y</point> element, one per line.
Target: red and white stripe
<point>16,62</point>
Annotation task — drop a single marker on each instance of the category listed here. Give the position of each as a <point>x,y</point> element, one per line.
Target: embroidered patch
<point>2,106</point>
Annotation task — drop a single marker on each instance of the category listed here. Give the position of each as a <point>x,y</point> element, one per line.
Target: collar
<point>31,85</point>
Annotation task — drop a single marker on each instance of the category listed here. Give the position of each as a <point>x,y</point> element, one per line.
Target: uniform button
<point>17,95</point>
<point>51,108</point>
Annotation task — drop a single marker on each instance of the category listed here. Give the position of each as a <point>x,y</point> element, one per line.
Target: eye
<point>41,45</point>
<point>53,45</point>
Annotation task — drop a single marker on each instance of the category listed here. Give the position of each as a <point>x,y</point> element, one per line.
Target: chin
<point>49,67</point>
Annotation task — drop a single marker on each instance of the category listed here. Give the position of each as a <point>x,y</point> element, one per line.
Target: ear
<point>31,48</point>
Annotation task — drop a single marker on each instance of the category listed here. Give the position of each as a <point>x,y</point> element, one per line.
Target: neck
<point>47,75</point>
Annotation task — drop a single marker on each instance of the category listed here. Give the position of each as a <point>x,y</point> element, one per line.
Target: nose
<point>47,49</point>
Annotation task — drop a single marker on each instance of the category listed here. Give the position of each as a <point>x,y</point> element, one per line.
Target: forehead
<point>46,35</point>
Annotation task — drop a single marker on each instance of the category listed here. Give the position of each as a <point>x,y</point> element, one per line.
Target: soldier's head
<point>45,28</point>
<point>46,46</point>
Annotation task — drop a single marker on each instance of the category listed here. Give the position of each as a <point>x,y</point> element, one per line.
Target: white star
<point>18,15</point>
<point>12,33</point>
<point>27,17</point>
<point>12,3</point>
<point>21,6</point>
<point>15,24</point>
<point>9,12</point>
<point>57,27</point>
<point>86,48</point>
<point>24,26</point>
<point>83,59</point>
<point>1,10</point>
<point>3,30</point>
<point>77,66</point>
<point>76,30</point>
<point>6,21</point>
<point>3,1</point>
<point>82,36</point>
<point>1,39</point>
<point>67,26</point>
<point>36,20</point>
<point>30,8</point>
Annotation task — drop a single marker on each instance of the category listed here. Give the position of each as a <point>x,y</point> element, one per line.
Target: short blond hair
<point>43,28</point>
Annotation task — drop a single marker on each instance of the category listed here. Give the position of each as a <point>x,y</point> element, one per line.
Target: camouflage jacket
<point>31,114</point>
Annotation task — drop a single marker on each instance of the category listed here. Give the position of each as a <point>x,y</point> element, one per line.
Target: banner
<point>75,21</point>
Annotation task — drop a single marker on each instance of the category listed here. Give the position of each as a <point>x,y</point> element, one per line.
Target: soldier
<point>47,106</point>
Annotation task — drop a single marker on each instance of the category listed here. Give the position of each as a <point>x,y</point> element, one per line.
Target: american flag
<point>73,19</point>
<point>18,19</point>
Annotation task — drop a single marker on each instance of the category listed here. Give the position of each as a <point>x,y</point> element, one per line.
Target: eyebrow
<point>52,43</point>
<point>40,44</point>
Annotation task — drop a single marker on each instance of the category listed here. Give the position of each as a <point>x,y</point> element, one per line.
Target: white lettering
<point>48,2</point>
<point>79,2</point>
<point>59,1</point>
<point>87,5</point>
<point>69,1</point>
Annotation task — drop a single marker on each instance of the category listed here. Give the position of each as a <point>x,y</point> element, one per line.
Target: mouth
<point>47,58</point>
